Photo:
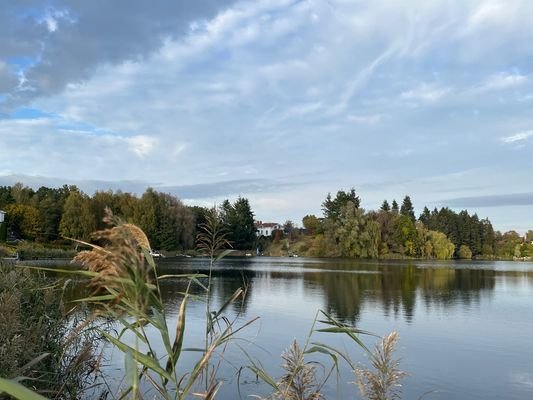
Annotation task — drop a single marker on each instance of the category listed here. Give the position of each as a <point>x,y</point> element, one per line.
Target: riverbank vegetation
<point>49,215</point>
<point>125,286</point>
<point>394,231</point>
<point>39,346</point>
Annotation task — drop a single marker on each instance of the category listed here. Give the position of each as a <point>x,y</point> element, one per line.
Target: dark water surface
<point>466,328</point>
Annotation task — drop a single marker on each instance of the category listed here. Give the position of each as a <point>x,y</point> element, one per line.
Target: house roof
<point>267,225</point>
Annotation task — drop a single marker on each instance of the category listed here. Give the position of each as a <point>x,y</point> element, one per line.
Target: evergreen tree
<point>385,206</point>
<point>395,207</point>
<point>5,196</point>
<point>238,219</point>
<point>407,209</point>
<point>332,207</point>
<point>50,213</point>
<point>425,217</point>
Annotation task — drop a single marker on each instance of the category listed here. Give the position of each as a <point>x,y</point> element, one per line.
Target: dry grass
<point>300,381</point>
<point>34,325</point>
<point>383,381</point>
<point>120,245</point>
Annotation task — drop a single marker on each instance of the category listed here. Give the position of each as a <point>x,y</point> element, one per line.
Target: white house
<point>266,228</point>
<point>2,216</point>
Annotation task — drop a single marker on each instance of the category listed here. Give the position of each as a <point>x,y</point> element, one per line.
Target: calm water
<point>466,328</point>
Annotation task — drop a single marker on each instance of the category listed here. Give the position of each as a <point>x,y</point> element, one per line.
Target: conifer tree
<point>395,207</point>
<point>407,209</point>
<point>385,206</point>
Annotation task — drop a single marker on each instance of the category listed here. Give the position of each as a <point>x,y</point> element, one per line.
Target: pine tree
<point>425,217</point>
<point>238,219</point>
<point>385,206</point>
<point>395,207</point>
<point>332,207</point>
<point>407,209</point>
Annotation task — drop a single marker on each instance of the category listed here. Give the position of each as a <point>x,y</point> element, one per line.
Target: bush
<point>464,253</point>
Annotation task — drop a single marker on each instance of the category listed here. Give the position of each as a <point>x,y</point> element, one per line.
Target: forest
<point>50,215</point>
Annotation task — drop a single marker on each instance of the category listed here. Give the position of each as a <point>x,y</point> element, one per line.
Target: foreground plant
<point>301,382</point>
<point>127,289</point>
<point>35,345</point>
<point>383,381</point>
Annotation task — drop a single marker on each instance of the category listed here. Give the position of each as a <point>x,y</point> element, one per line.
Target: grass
<point>125,289</point>
<point>31,251</point>
<point>33,344</point>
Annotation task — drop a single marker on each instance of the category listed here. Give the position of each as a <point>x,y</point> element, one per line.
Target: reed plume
<point>383,382</point>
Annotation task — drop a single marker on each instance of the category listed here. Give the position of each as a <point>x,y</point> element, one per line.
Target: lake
<point>466,328</point>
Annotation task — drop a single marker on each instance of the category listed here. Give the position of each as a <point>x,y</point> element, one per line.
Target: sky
<point>279,101</point>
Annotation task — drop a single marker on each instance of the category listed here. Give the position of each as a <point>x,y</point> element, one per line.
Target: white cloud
<point>141,145</point>
<point>503,81</point>
<point>365,119</point>
<point>517,137</point>
<point>490,12</point>
<point>52,18</point>
<point>425,93</point>
<point>498,16</point>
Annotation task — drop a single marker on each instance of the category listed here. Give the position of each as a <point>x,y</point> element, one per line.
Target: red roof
<point>261,224</point>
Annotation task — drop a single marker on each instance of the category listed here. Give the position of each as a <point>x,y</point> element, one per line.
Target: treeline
<point>347,230</point>
<point>49,215</point>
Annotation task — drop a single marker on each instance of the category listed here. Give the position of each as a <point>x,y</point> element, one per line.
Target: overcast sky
<point>280,101</point>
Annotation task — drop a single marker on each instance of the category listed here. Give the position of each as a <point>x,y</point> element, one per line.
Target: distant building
<point>2,216</point>
<point>266,228</point>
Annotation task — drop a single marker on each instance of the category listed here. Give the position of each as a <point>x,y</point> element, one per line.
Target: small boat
<point>156,254</point>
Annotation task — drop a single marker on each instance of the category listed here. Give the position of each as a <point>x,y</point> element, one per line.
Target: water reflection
<point>465,327</point>
<point>347,288</point>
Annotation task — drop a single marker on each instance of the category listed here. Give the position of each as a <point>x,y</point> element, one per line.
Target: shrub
<point>464,252</point>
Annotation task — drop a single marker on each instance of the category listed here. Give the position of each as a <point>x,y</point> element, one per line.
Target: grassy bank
<point>26,250</point>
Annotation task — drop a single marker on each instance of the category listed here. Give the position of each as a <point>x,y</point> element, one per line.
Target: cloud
<point>490,13</point>
<point>72,39</point>
<point>226,188</point>
<point>517,137</point>
<point>8,80</point>
<point>497,200</point>
<point>211,190</point>
<point>425,92</point>
<point>365,119</point>
<point>503,81</point>
<point>141,145</point>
